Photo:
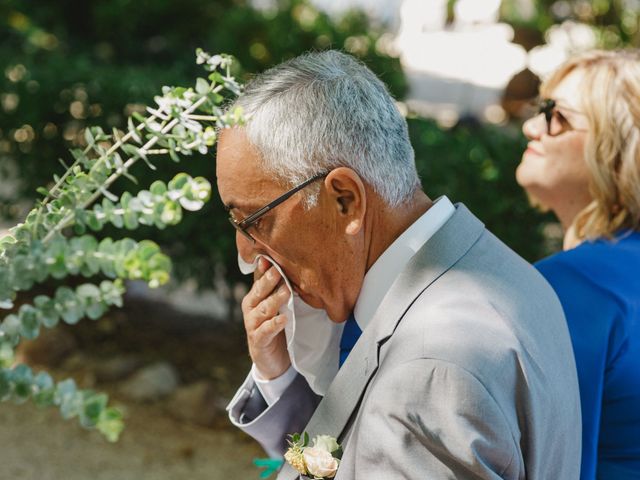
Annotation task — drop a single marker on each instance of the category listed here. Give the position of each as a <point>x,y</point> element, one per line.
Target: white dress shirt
<point>376,283</point>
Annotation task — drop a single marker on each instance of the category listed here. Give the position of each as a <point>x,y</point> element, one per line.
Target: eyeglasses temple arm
<point>247,221</point>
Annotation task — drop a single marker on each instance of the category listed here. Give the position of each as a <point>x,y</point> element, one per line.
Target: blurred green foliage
<point>67,64</point>
<point>475,164</point>
<point>43,248</point>
<point>71,64</point>
<point>616,22</point>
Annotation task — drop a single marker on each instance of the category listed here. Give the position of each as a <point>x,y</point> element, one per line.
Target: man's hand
<point>265,328</point>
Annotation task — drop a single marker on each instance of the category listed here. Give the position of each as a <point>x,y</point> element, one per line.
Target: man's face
<point>324,264</point>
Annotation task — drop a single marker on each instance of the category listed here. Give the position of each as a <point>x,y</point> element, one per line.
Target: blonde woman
<point>583,163</point>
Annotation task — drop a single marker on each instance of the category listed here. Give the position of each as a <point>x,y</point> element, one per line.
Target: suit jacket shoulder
<point>466,371</point>
<point>493,332</point>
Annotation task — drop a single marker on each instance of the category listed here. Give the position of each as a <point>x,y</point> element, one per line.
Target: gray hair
<point>325,110</point>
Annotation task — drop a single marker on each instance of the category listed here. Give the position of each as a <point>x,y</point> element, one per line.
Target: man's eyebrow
<point>242,208</point>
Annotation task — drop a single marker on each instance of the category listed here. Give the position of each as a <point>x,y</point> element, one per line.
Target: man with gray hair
<point>454,358</point>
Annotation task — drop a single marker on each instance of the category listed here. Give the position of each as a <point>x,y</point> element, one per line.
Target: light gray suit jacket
<point>465,372</point>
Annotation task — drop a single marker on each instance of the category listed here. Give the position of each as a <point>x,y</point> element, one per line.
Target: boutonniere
<point>319,461</point>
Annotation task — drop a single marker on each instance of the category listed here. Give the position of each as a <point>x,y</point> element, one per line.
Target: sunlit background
<point>464,72</point>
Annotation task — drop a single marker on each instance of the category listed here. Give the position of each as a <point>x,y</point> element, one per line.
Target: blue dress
<point>598,284</point>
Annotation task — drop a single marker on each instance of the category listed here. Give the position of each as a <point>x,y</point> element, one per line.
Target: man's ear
<point>347,192</point>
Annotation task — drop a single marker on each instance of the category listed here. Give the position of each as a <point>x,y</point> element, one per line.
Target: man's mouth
<point>296,289</point>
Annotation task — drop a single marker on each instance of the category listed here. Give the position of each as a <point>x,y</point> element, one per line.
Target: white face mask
<point>313,340</point>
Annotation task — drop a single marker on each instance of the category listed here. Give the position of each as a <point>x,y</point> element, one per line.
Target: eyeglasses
<point>244,225</point>
<point>556,122</point>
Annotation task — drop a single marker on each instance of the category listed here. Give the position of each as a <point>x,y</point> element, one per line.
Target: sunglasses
<point>557,123</point>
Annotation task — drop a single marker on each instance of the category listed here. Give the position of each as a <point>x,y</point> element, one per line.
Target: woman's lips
<point>532,151</point>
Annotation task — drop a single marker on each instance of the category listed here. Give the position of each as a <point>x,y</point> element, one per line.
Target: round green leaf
<point>91,296</point>
<point>54,257</point>
<point>68,305</point>
<point>7,354</point>
<point>11,327</point>
<point>125,199</point>
<point>49,316</point>
<point>130,220</point>
<point>158,188</point>
<point>22,378</point>
<point>94,404</point>
<point>112,292</point>
<point>23,268</point>
<point>105,256</point>
<point>147,249</point>
<point>71,405</point>
<point>68,398</point>
<point>29,322</point>
<point>44,390</point>
<point>110,424</point>
<point>179,181</point>
<point>93,221</point>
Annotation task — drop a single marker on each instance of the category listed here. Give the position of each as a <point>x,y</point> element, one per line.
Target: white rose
<point>320,463</point>
<point>326,442</point>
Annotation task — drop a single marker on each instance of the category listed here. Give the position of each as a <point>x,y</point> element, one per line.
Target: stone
<point>195,403</point>
<point>117,368</point>
<point>75,362</point>
<point>153,382</point>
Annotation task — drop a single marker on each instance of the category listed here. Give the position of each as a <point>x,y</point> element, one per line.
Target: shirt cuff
<point>273,389</point>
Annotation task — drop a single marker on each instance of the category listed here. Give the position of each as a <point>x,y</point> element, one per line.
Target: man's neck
<point>387,224</point>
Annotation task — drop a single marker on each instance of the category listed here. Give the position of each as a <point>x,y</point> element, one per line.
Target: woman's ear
<point>347,192</point>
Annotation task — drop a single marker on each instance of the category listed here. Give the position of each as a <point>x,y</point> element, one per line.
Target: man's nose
<point>246,248</point>
<point>535,127</point>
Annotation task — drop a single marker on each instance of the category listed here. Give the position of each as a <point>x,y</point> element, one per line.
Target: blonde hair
<point>610,99</point>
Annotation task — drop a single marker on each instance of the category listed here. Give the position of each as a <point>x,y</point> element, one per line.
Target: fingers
<point>262,287</point>
<point>263,324</point>
<point>267,331</point>
<point>267,308</point>
<point>261,268</point>
<point>270,305</point>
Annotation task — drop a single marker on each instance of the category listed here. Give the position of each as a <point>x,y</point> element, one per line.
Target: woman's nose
<point>535,127</point>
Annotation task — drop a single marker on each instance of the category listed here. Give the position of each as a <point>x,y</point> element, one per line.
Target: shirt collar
<point>387,267</point>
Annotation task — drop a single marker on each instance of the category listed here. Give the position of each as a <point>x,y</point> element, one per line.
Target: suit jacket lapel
<point>436,256</point>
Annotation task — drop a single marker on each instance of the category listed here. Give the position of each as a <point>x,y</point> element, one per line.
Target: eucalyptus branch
<point>69,305</point>
<point>20,384</point>
<point>37,250</point>
<point>68,220</point>
<point>61,180</point>
<point>119,142</point>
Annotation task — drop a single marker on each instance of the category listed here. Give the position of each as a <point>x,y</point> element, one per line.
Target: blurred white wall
<point>461,68</point>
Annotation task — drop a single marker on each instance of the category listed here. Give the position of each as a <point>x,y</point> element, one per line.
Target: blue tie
<point>350,336</point>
